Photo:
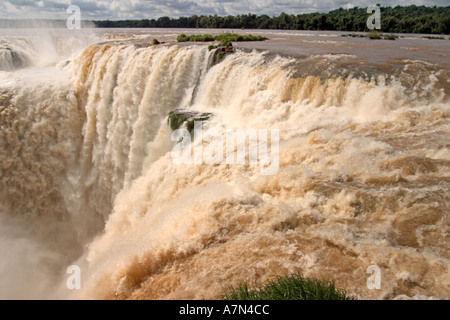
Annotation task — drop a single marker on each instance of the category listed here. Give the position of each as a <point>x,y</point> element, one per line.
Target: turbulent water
<point>87,177</point>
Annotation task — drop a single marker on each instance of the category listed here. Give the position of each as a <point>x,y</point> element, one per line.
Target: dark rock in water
<point>177,118</point>
<point>221,52</point>
<point>16,60</point>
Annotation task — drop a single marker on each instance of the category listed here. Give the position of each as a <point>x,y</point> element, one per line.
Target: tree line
<point>399,19</point>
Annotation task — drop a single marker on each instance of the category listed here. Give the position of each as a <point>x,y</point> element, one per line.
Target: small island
<point>225,45</point>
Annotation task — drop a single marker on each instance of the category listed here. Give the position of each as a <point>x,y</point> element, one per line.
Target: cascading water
<point>87,176</point>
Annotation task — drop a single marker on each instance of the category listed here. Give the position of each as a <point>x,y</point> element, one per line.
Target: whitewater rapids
<point>87,177</point>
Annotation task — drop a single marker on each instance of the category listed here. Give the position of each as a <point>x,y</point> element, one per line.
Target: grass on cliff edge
<point>291,287</point>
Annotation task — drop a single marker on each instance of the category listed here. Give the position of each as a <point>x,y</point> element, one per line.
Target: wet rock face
<point>10,59</point>
<point>178,118</point>
<point>221,52</point>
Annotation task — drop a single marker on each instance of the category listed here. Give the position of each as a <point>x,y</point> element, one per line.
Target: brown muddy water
<point>88,177</point>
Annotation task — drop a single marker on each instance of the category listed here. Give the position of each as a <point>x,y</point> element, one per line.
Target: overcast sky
<point>143,9</point>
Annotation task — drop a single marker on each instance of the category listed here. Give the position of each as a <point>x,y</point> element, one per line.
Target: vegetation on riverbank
<point>290,287</point>
<point>399,19</point>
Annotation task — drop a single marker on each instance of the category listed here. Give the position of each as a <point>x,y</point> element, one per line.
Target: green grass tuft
<point>292,287</point>
<point>225,43</point>
<point>373,35</point>
<point>182,38</point>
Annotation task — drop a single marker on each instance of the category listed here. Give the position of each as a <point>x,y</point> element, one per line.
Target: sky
<point>149,9</point>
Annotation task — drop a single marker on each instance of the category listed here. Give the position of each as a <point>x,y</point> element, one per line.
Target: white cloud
<point>139,9</point>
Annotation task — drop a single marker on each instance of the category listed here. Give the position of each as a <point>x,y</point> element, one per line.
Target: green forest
<point>399,19</point>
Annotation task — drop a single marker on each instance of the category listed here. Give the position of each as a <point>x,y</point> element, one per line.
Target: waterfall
<point>87,176</point>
